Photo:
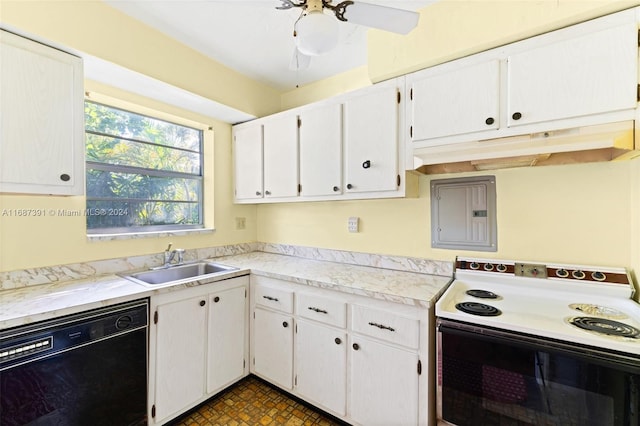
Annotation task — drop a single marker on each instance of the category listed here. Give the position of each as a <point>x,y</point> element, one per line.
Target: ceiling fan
<point>316,33</point>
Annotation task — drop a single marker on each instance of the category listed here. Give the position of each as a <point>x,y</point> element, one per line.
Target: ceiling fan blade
<point>381,17</point>
<point>299,61</point>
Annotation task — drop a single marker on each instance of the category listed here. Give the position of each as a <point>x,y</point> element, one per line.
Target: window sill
<point>155,234</point>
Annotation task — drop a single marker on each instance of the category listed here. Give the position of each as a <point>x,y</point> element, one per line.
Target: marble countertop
<point>35,303</point>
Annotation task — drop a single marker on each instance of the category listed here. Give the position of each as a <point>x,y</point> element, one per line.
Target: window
<point>143,174</point>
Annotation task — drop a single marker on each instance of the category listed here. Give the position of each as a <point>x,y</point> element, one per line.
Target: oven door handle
<point>612,359</point>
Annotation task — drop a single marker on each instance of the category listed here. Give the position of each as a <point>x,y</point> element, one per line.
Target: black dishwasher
<point>83,369</point>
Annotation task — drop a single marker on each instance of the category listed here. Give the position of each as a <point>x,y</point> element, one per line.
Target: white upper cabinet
<point>447,102</point>
<point>371,139</point>
<point>280,138</point>
<point>539,90</point>
<point>321,150</point>
<point>346,147</point>
<point>247,144</point>
<point>41,118</point>
<point>592,73</point>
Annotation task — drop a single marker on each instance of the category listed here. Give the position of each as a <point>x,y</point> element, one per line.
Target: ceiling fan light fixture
<point>316,33</point>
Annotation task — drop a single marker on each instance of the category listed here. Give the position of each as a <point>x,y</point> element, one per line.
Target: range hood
<point>604,142</point>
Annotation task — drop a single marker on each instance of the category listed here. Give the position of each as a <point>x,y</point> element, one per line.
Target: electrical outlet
<point>241,223</point>
<point>353,224</point>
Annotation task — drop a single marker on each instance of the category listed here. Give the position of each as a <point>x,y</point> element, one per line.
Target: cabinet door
<point>273,347</point>
<point>180,355</point>
<point>371,140</point>
<point>321,365</point>
<point>227,328</point>
<point>384,384</point>
<point>247,152</point>
<point>321,151</point>
<point>281,156</point>
<point>446,103</point>
<point>41,118</point>
<point>590,74</point>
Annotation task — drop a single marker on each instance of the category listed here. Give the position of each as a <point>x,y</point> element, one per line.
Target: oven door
<point>488,376</point>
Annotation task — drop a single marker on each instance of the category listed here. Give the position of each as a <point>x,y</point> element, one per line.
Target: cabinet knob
<point>516,116</point>
<point>285,324</point>
<point>65,177</point>
<point>349,186</point>
<point>356,346</point>
<point>202,303</point>
<point>336,189</point>
<point>267,192</point>
<point>489,121</point>
<point>216,299</point>
<point>258,193</point>
<point>338,341</point>
<point>366,164</point>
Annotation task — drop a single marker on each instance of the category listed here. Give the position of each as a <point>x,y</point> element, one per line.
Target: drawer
<point>386,325</point>
<point>274,298</point>
<point>323,309</point>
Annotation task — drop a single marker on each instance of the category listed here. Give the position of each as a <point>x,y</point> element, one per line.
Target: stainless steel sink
<point>182,273</point>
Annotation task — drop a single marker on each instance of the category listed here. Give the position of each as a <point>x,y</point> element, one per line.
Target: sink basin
<point>191,271</point>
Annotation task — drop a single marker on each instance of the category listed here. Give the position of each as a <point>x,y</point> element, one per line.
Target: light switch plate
<point>353,224</point>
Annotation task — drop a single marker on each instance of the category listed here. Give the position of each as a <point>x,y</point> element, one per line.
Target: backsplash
<point>83,270</point>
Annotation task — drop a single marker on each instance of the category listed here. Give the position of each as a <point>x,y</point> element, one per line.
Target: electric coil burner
<point>526,343</point>
<point>606,326</point>
<point>482,294</point>
<point>480,309</point>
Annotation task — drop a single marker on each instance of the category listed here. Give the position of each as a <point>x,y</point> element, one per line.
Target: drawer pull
<point>318,310</point>
<point>275,299</point>
<point>382,327</point>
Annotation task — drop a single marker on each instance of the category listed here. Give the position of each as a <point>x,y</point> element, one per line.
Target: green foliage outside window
<point>143,174</point>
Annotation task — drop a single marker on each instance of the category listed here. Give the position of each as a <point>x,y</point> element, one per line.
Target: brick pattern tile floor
<point>253,402</point>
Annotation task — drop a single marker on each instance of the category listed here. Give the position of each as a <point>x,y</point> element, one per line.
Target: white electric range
<point>538,344</point>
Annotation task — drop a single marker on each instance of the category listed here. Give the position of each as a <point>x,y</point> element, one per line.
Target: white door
<point>321,151</point>
<point>581,76</point>
<point>180,355</point>
<point>227,325</point>
<point>281,156</point>
<point>273,347</point>
<point>371,140</point>
<point>453,102</point>
<point>384,384</point>
<point>41,118</point>
<point>321,365</point>
<point>247,156</point>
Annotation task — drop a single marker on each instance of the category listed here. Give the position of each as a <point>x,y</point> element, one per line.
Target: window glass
<point>143,174</point>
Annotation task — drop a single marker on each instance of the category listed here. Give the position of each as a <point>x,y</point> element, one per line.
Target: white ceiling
<point>252,37</point>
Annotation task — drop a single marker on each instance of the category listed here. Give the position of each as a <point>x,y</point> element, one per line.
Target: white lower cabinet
<point>198,341</point>
<point>321,365</point>
<point>273,347</point>
<point>227,337</point>
<point>360,359</point>
<point>384,384</point>
<point>180,355</point>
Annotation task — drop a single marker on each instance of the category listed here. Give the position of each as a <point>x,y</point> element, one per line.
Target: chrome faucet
<point>169,255</point>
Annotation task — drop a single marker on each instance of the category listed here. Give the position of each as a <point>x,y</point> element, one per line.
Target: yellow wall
<point>587,213</point>
<point>590,212</point>
<point>94,28</point>
<point>53,240</point>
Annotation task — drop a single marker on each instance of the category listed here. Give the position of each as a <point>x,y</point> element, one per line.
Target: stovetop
<point>562,302</point>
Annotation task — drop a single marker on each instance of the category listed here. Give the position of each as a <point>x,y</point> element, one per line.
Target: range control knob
<point>474,265</point>
<point>578,274</point>
<point>562,273</point>
<point>501,268</point>
<point>598,276</point>
<point>488,267</point>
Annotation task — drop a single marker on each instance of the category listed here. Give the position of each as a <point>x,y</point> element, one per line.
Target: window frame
<point>149,229</point>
